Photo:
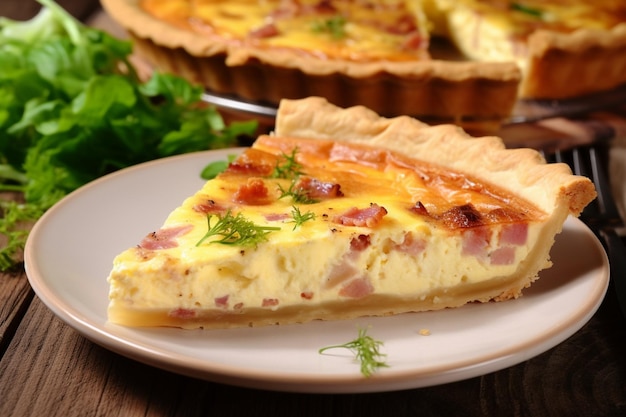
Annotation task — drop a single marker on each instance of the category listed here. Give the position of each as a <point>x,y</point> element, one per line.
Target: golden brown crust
<point>565,65</point>
<point>552,187</point>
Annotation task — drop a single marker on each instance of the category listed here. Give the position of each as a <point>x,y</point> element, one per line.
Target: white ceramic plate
<point>70,251</point>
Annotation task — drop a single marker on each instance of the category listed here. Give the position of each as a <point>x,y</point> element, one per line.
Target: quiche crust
<point>552,187</point>
<point>403,237</point>
<point>586,61</point>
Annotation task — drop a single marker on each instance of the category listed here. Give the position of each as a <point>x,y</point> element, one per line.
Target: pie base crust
<point>562,66</point>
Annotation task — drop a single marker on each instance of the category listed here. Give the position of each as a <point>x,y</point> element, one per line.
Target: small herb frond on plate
<point>366,350</point>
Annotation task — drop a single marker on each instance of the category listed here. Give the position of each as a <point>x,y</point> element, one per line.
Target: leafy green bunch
<point>72,108</point>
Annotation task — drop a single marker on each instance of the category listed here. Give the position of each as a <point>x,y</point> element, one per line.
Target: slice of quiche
<point>342,213</point>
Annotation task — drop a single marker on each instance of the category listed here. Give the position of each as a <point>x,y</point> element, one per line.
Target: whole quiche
<point>465,61</point>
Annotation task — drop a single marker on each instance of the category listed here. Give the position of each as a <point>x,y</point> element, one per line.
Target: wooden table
<point>47,369</point>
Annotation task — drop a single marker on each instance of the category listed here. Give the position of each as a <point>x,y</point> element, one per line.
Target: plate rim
<point>293,382</point>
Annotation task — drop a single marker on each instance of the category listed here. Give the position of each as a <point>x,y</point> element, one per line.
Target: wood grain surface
<point>25,9</point>
<point>47,369</point>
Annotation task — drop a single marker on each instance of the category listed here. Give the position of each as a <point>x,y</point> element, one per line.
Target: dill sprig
<point>299,218</point>
<point>298,195</point>
<point>367,351</point>
<point>290,168</point>
<point>236,230</point>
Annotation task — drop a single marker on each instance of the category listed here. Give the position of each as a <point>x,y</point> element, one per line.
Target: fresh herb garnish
<point>289,168</point>
<point>15,223</point>
<point>215,168</point>
<point>73,108</point>
<point>334,26</point>
<point>236,230</point>
<point>529,10</point>
<point>366,350</point>
<point>298,195</point>
<point>299,218</point>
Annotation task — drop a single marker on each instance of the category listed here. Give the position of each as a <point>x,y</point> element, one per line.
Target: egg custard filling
<point>341,213</point>
<point>358,31</point>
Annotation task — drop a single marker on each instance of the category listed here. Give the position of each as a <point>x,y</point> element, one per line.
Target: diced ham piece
<point>276,217</point>
<point>270,302</point>
<point>411,245</point>
<point>209,207</point>
<point>414,42</point>
<point>164,238</point>
<point>253,162</point>
<point>307,295</point>
<point>370,216</point>
<point>503,256</point>
<point>266,31</point>
<point>419,209</point>
<point>341,272</point>
<point>514,234</point>
<point>222,301</point>
<point>357,288</point>
<point>253,193</point>
<point>245,168</point>
<point>476,241</point>
<point>183,313</point>
<point>360,243</point>
<point>316,189</point>
<point>325,6</point>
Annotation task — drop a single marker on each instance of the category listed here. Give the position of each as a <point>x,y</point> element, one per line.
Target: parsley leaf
<point>72,108</point>
<point>215,168</point>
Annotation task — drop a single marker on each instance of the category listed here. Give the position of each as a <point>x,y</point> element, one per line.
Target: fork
<point>601,215</point>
